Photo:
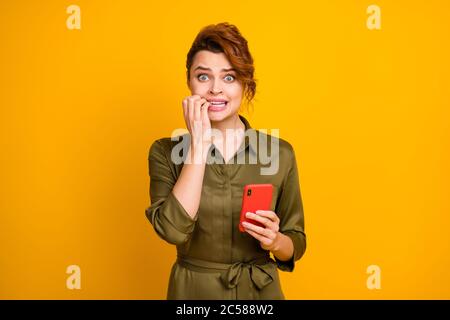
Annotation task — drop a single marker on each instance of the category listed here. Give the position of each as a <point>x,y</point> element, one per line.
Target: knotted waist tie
<point>260,272</point>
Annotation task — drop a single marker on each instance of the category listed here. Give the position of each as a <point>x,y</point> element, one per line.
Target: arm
<point>292,227</point>
<point>283,231</point>
<point>284,247</point>
<point>167,215</point>
<point>188,188</point>
<point>175,201</point>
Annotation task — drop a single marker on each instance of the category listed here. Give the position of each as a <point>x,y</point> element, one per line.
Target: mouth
<point>217,104</point>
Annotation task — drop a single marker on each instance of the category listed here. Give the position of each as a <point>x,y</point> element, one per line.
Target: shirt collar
<point>249,142</point>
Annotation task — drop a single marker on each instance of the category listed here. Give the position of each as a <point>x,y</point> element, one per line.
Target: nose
<point>215,89</point>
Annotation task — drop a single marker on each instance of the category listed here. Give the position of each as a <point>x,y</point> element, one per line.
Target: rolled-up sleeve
<point>169,219</point>
<point>290,211</point>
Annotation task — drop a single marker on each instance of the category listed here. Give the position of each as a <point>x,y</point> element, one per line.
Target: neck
<point>227,146</point>
<point>233,122</point>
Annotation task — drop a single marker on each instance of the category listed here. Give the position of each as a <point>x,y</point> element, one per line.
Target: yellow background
<point>367,112</point>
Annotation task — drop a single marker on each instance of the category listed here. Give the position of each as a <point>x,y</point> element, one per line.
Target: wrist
<point>277,242</point>
<point>198,153</point>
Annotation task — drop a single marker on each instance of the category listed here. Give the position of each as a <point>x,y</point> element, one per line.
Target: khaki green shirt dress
<point>214,259</point>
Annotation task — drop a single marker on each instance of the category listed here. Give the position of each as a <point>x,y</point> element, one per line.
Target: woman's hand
<point>188,187</point>
<point>269,236</point>
<point>195,110</point>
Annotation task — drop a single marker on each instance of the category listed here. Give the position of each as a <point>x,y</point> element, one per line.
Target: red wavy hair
<point>226,38</point>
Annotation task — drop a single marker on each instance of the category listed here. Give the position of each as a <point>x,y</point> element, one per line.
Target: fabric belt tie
<point>259,274</point>
<point>259,271</point>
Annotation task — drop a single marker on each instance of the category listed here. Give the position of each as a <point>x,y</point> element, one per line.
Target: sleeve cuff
<point>176,215</point>
<point>289,265</point>
<point>286,265</point>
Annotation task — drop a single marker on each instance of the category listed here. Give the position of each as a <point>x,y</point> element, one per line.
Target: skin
<point>208,80</point>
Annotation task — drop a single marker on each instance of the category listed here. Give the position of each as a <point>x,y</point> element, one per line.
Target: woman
<point>196,204</point>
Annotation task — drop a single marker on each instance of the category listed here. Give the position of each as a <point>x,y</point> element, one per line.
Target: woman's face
<point>213,78</point>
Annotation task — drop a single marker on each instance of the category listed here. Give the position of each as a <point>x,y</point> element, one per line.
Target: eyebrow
<point>223,70</point>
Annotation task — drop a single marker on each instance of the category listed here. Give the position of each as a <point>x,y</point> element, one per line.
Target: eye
<point>202,77</point>
<point>229,77</point>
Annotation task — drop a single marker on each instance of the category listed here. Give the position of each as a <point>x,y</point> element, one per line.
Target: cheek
<point>235,92</point>
<point>198,88</point>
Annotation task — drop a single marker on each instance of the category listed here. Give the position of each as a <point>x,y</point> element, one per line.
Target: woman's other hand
<point>268,236</point>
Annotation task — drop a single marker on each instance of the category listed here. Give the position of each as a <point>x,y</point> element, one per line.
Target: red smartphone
<point>256,197</point>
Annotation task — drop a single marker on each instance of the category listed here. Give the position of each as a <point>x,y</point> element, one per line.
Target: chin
<point>214,117</point>
<point>218,116</point>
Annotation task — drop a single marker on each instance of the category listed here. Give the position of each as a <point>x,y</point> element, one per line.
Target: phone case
<point>255,197</point>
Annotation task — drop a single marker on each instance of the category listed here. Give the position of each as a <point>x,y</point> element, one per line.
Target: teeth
<point>218,103</point>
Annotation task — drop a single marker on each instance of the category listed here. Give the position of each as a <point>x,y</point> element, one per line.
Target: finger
<point>265,221</point>
<point>191,101</point>
<point>205,117</point>
<point>185,113</point>
<point>206,122</point>
<point>268,214</point>
<point>262,231</point>
<point>265,241</point>
<point>197,110</point>
<point>184,104</point>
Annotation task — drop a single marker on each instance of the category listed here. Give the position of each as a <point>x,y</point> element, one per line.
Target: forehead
<point>215,61</point>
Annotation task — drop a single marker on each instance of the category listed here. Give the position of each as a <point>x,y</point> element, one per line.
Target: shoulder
<point>164,146</point>
<point>285,148</point>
